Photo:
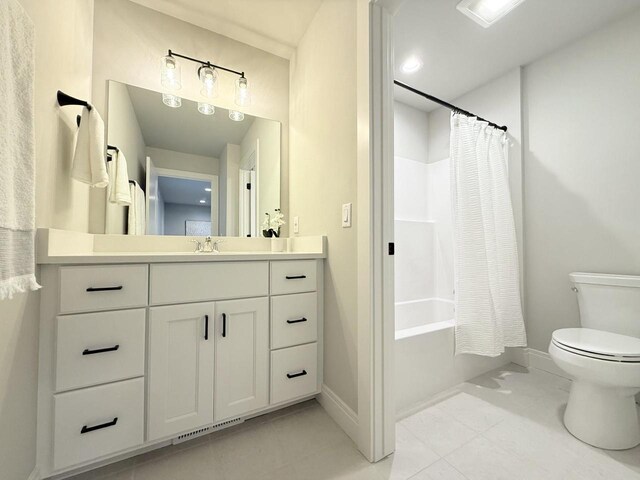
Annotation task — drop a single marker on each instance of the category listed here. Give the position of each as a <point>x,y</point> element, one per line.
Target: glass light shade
<point>243,97</point>
<point>172,101</point>
<point>209,79</point>
<point>206,108</point>
<point>170,73</point>
<point>236,116</point>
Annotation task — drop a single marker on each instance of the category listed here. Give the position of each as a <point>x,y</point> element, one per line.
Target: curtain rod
<point>448,105</point>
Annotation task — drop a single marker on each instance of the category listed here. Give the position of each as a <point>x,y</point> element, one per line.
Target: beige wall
<point>323,175</point>
<point>582,166</point>
<point>63,61</point>
<point>129,42</point>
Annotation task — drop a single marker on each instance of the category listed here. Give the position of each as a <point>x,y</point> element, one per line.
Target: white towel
<point>89,162</point>
<point>17,151</point>
<point>118,190</point>
<point>137,212</point>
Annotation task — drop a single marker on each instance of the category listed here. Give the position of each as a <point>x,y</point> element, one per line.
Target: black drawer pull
<point>224,324</point>
<point>206,327</point>
<point>294,375</point>
<point>86,429</point>
<point>297,320</point>
<point>295,277</point>
<point>104,289</point>
<point>86,351</point>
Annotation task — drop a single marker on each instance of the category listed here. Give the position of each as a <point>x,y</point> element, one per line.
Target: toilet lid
<point>598,344</point>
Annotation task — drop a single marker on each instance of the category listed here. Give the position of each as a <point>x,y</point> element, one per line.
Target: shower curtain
<point>488,310</point>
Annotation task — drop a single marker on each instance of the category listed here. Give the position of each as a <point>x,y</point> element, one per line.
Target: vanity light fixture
<point>172,101</point>
<point>236,116</point>
<point>170,73</point>
<point>487,12</point>
<point>208,75</point>
<point>206,108</point>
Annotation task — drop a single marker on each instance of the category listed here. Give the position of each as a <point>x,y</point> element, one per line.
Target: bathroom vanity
<point>142,349</point>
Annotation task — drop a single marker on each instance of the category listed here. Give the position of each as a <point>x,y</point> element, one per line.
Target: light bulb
<point>172,101</point>
<point>170,73</point>
<point>243,97</point>
<point>209,79</point>
<point>236,116</point>
<point>206,108</point>
<point>203,201</point>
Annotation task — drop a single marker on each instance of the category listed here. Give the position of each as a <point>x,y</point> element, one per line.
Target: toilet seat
<point>598,344</point>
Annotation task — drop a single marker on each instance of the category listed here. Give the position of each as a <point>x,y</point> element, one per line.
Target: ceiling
<point>185,129</point>
<point>184,191</point>
<point>275,26</point>
<point>460,55</point>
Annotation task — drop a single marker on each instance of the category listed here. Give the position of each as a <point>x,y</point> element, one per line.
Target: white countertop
<point>61,247</point>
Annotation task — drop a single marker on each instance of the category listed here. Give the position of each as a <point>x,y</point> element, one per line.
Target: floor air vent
<point>207,430</point>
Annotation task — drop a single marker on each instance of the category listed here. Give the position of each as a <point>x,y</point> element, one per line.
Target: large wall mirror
<point>201,170</point>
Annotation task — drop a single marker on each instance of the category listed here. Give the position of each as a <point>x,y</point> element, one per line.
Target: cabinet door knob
<point>86,351</point>
<point>86,429</point>
<point>299,374</point>
<point>224,324</point>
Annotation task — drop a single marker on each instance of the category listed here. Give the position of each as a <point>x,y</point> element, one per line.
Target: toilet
<point>603,359</point>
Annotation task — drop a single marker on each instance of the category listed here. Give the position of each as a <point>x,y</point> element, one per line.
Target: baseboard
<point>346,418</point>
<point>532,358</point>
<point>35,474</point>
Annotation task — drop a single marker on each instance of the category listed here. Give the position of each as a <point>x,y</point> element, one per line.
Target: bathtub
<point>423,316</point>
<point>425,360</point>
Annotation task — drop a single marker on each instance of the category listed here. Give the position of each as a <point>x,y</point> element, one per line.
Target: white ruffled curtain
<point>488,312</point>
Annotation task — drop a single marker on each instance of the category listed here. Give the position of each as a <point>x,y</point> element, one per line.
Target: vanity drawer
<point>294,319</point>
<point>102,287</point>
<point>188,282</point>
<point>294,372</point>
<point>97,421</point>
<point>293,277</point>
<point>96,348</point>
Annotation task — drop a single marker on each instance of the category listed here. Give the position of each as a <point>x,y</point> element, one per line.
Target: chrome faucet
<point>211,246</point>
<point>199,248</point>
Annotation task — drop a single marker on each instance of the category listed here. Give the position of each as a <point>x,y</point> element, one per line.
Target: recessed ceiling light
<point>207,189</point>
<point>411,65</point>
<point>203,201</point>
<point>236,116</point>
<point>487,12</point>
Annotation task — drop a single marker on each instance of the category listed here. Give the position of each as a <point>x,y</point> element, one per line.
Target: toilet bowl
<point>603,358</point>
<point>605,368</point>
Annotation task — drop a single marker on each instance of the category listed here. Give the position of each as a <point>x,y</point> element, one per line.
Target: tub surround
<point>144,343</point>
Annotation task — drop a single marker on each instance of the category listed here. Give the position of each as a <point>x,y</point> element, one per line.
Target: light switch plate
<point>296,225</point>
<point>346,215</point>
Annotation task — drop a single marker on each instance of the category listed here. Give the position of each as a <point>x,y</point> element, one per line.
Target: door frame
<point>215,191</point>
<point>376,322</point>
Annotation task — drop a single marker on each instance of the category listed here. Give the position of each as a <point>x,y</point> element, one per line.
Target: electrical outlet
<point>346,215</point>
<point>296,225</point>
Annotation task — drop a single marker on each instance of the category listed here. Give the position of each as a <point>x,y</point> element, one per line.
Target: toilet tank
<point>609,302</point>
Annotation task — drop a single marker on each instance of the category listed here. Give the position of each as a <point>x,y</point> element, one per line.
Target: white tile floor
<point>505,424</point>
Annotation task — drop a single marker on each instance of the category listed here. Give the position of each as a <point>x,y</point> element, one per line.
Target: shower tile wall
<point>423,264</point>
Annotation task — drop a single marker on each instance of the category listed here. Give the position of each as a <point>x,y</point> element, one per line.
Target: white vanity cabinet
<point>133,356</point>
<point>180,369</point>
<point>242,357</point>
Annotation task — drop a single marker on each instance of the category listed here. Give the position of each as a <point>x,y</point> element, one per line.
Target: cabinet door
<point>180,369</point>
<point>242,357</point>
